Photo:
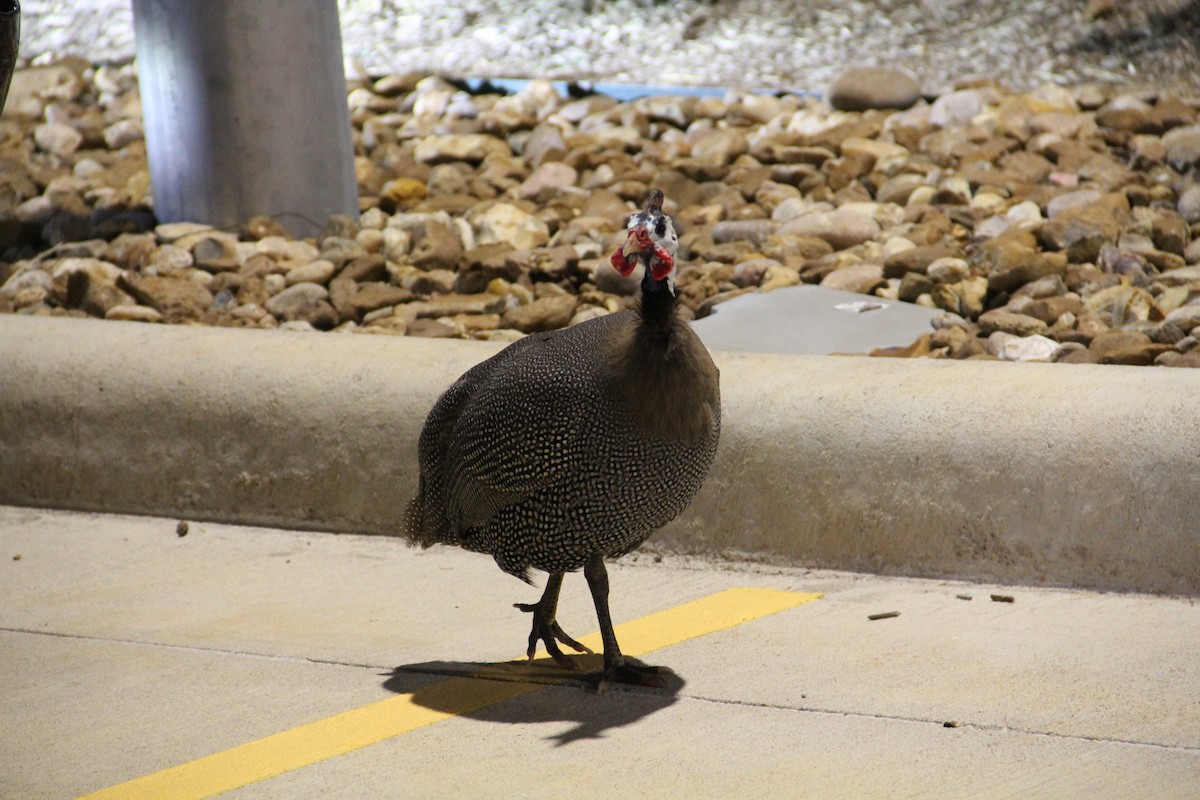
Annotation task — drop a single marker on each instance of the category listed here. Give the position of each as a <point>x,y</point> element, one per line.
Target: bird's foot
<point>631,673</point>
<point>548,632</point>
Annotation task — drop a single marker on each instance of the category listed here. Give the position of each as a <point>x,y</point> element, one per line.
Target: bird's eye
<point>661,228</point>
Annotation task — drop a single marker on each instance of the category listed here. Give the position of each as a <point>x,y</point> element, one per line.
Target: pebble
<point>863,88</point>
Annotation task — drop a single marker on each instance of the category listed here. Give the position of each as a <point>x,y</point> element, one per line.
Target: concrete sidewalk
<point>128,649</point>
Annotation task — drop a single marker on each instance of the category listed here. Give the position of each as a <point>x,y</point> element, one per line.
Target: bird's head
<point>651,239</point>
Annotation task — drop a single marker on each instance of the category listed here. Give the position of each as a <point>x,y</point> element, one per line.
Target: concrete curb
<point>1022,473</point>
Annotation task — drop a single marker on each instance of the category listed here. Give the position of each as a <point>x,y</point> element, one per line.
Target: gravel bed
<point>1057,224</point>
<point>1149,45</point>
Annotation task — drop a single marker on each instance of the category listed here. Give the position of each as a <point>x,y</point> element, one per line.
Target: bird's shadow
<point>538,692</point>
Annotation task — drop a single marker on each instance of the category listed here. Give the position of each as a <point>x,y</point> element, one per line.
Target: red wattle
<point>622,264</point>
<point>663,266</point>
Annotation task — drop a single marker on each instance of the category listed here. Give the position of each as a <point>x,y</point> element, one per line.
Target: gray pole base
<point>245,110</point>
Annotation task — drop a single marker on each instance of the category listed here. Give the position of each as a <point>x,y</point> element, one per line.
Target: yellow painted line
<point>299,747</point>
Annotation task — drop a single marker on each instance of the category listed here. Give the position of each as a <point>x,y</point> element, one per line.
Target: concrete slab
<point>812,320</point>
<point>1021,473</point>
<point>129,649</point>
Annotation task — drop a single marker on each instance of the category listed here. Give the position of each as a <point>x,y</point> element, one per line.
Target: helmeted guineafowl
<point>573,446</point>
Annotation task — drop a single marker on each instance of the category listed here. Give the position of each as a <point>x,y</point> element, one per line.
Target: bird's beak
<point>638,241</point>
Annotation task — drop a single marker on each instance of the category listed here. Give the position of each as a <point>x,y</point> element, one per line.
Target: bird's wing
<point>518,429</point>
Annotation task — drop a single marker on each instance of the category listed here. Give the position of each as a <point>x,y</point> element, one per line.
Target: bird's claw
<point>550,634</point>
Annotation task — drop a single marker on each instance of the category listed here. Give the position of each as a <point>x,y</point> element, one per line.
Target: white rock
<point>171,231</point>
<point>1027,348</point>
<point>948,270</point>
<point>133,313</point>
<point>318,271</point>
<point>549,176</point>
<point>57,138</point>
<point>504,222</point>
<point>169,258</point>
<point>27,279</point>
<point>122,133</point>
<point>35,210</point>
<point>287,249</point>
<point>274,283</point>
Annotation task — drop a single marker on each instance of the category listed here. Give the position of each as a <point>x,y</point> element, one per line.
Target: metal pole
<point>10,40</point>
<point>245,111</point>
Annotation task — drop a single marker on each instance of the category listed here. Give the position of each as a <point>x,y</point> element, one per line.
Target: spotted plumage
<point>571,447</point>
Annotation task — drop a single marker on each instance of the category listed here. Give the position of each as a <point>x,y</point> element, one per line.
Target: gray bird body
<point>571,447</point>
<point>571,444</point>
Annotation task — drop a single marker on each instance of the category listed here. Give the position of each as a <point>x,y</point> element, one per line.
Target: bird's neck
<point>657,306</point>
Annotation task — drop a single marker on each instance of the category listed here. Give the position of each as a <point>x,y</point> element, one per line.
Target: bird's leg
<point>545,626</point>
<point>617,669</point>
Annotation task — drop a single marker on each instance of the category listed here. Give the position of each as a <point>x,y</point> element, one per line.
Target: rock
<point>1188,204</point>
<point>1182,147</point>
<point>1187,318</point>
<point>470,147</point>
<point>28,279</point>
<point>1126,112</point>
<point>1008,322</point>
<point>860,278</point>
<point>960,107</point>
<point>435,281</point>
<point>778,276</point>
<point>751,271</point>
<point>965,297</point>
<point>899,188</point>
<point>548,263</point>
<point>371,267</point>
<point>1029,348</point>
<point>752,230</point>
<point>548,313</point>
<point>367,297</point>
<point>1068,200</point>
<point>917,259</point>
<point>216,253</point>
<point>436,247</point>
<point>720,146</point>
<point>948,269</point>
<point>1168,230</point>
<point>1074,353</point>
<point>544,144</point>
<point>1082,230</point>
<point>174,231</point>
<point>57,139</point>
<point>260,227</point>
<point>1049,309</point>
<point>319,271</point>
<point>122,133</point>
<point>913,285</point>
<point>429,329</point>
<point>304,301</point>
<point>1123,304</point>
<point>1012,259</point>
<point>886,158</point>
<point>504,222</point>
<point>449,305</point>
<point>177,299</point>
<point>1172,359</point>
<point>863,88</point>
<point>547,180</point>
<point>402,192</point>
<point>133,313</point>
<point>842,228</point>
<point>1126,347</point>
